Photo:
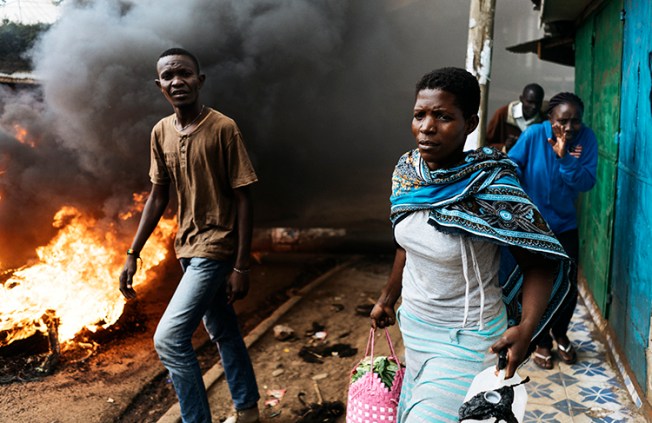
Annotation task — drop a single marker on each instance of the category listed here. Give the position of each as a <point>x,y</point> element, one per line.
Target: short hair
<point>456,81</point>
<point>565,98</point>
<point>178,51</point>
<point>535,88</point>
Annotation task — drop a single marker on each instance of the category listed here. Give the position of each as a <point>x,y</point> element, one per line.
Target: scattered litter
<point>364,309</point>
<point>275,414</point>
<point>110,400</point>
<point>320,376</point>
<point>286,350</point>
<point>276,393</point>
<point>274,396</point>
<point>326,412</point>
<point>320,335</point>
<point>272,402</point>
<point>316,354</point>
<point>340,350</point>
<point>320,400</point>
<point>278,372</point>
<point>310,356</point>
<point>316,327</point>
<point>283,332</point>
<point>336,307</point>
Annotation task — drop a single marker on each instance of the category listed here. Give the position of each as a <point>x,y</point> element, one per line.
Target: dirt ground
<point>280,370</point>
<point>123,380</point>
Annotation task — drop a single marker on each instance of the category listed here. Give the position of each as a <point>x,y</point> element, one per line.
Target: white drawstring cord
<point>466,278</point>
<point>478,276</point>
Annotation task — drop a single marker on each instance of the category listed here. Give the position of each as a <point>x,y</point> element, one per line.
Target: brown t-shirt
<point>205,166</point>
<point>502,128</point>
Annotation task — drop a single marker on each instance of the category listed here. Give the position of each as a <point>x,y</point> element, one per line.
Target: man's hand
<point>127,276</point>
<point>558,143</point>
<point>237,286</point>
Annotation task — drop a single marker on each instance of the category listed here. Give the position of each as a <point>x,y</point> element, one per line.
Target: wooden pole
<point>478,59</point>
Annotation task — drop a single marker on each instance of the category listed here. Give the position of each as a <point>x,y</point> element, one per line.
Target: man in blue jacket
<point>557,160</point>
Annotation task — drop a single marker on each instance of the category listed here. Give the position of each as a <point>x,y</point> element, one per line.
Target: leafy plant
<point>384,367</point>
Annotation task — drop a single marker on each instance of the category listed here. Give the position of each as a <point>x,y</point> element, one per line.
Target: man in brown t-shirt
<point>201,151</point>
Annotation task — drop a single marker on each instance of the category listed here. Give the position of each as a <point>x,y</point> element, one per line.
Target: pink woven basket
<point>369,400</point>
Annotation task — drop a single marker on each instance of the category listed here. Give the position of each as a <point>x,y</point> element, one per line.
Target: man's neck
<point>188,115</point>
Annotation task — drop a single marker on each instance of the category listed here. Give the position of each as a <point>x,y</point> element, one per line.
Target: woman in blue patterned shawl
<point>457,215</point>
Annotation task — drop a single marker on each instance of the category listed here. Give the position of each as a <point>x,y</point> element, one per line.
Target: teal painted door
<point>598,47</point>
<point>632,258</point>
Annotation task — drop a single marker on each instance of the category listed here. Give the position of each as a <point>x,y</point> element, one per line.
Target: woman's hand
<point>576,152</point>
<point>382,315</point>
<point>558,142</point>
<point>517,341</point>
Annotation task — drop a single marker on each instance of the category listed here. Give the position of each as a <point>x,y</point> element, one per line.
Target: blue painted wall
<point>631,270</point>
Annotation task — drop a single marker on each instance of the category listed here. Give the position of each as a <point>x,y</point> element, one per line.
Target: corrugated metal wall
<point>632,253</point>
<point>598,47</point>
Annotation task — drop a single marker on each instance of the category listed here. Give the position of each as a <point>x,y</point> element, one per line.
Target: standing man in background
<point>201,151</point>
<point>510,120</point>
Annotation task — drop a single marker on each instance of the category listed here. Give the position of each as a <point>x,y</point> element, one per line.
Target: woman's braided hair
<point>565,98</point>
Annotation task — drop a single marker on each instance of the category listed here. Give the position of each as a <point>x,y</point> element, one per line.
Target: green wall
<point>598,55</point>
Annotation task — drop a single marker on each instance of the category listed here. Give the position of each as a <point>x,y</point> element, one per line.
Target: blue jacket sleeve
<point>579,173</point>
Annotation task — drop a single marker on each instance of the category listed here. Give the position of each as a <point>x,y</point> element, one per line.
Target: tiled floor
<point>588,391</point>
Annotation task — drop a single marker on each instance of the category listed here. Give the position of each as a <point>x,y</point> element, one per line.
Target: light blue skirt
<point>440,366</point>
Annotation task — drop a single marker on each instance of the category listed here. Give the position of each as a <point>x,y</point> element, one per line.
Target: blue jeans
<point>201,294</point>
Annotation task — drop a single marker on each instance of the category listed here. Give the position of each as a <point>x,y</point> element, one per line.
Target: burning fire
<point>23,136</point>
<point>75,278</point>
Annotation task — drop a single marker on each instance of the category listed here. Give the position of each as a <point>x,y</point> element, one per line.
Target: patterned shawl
<point>483,199</point>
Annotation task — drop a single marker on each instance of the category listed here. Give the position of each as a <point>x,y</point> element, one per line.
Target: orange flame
<point>137,207</point>
<point>76,276</point>
<point>23,137</point>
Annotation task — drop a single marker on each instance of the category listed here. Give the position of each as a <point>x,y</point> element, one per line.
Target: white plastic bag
<point>488,381</point>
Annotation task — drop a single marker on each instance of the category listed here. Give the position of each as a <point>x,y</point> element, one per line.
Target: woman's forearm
<point>392,290</point>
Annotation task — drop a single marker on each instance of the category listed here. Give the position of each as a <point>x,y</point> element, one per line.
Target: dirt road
<point>282,372</point>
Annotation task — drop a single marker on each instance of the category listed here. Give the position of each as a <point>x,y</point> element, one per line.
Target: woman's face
<point>569,118</point>
<point>440,128</point>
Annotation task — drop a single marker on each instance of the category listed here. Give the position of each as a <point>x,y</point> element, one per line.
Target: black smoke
<point>322,91</point>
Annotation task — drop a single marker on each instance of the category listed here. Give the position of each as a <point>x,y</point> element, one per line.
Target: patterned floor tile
<point>592,370</point>
<point>545,414</point>
<point>588,391</point>
<point>541,391</point>
<point>600,395</point>
<point>606,416</point>
<point>562,379</point>
<point>586,347</point>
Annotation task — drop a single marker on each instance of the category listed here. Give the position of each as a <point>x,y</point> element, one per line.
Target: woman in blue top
<point>557,160</point>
